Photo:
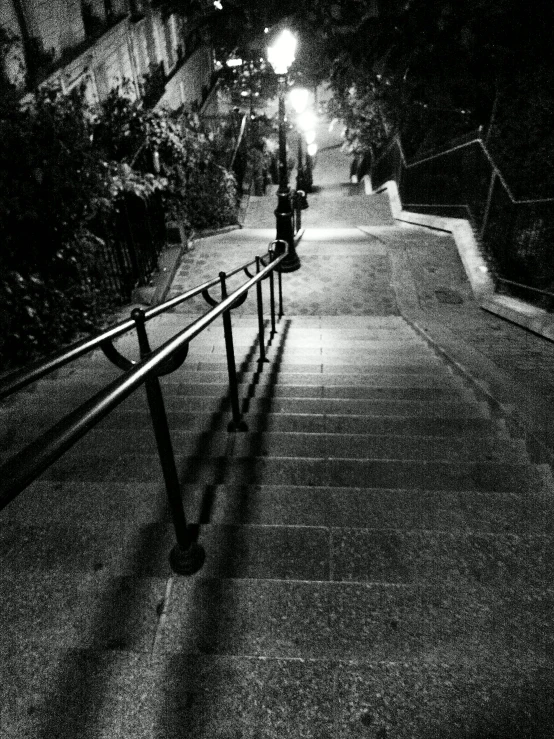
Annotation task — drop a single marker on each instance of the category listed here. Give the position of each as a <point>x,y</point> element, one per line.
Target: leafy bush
<point>51,186</point>
<point>64,169</point>
<point>199,192</point>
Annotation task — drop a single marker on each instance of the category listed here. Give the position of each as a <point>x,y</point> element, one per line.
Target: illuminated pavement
<point>344,270</point>
<point>379,546</point>
<point>385,269</point>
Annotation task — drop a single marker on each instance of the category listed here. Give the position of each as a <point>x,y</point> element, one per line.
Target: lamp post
<point>281,56</point>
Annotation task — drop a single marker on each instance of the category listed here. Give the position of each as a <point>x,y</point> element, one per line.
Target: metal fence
<point>135,235</point>
<point>463,181</point>
<point>132,242</point>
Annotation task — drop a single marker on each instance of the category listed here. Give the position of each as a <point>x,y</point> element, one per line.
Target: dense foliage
<point>64,169</point>
<point>198,191</point>
<point>439,70</point>
<point>52,185</point>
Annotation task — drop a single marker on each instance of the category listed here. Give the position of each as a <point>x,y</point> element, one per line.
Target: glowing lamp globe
<point>281,54</point>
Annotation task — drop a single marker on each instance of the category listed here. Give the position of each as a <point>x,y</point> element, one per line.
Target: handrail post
<point>187,556</point>
<point>272,295</point>
<point>237,424</point>
<point>277,252</point>
<point>280,282</point>
<point>488,205</point>
<point>259,297</point>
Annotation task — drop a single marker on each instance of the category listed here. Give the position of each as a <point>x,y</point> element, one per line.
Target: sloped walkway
<point>380,542</point>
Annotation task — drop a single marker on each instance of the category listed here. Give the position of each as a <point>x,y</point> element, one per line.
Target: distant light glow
<point>266,30</point>
<point>234,62</point>
<point>312,150</point>
<point>218,5</point>
<point>310,137</point>
<point>298,97</point>
<point>307,120</point>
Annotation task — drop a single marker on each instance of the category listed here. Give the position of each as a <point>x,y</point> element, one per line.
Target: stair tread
<point>286,505</point>
<point>267,389</point>
<point>457,407</point>
<point>365,622</point>
<point>306,553</point>
<point>334,471</point>
<point>286,444</point>
<point>318,697</point>
<point>205,422</point>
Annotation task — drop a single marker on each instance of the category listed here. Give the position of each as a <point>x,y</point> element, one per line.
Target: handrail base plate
<point>187,561</point>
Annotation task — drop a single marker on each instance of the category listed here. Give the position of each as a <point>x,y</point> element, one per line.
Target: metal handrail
<point>27,464</point>
<point>491,161</point>
<point>496,175</point>
<point>527,287</point>
<point>18,379</point>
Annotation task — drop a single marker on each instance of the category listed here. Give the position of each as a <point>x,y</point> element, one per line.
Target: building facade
<point>103,44</point>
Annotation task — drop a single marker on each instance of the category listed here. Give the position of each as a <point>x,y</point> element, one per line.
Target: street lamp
<point>281,56</point>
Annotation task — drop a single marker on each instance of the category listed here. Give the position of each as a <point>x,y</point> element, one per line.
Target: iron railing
<point>132,239</point>
<point>24,467</point>
<point>464,181</point>
<point>130,243</point>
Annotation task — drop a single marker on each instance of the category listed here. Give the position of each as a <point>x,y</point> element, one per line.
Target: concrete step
<point>267,387</point>
<point>364,622</point>
<point>309,342</point>
<point>26,425</point>
<point>393,376</point>
<point>379,379</point>
<point>335,472</point>
<point>365,446</point>
<point>456,558</point>
<point>183,409</point>
<point>296,362</point>
<point>501,692</point>
<point>279,444</point>
<point>356,446</point>
<point>288,360</point>
<point>361,622</point>
<point>140,504</point>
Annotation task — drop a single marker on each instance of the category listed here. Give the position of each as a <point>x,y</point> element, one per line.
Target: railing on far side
<point>463,180</point>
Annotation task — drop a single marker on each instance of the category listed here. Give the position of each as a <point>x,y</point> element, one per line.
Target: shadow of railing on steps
<point>111,626</point>
<point>83,668</point>
<point>211,630</point>
<point>28,464</point>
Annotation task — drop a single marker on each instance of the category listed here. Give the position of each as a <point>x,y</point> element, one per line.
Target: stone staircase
<point>379,552</point>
